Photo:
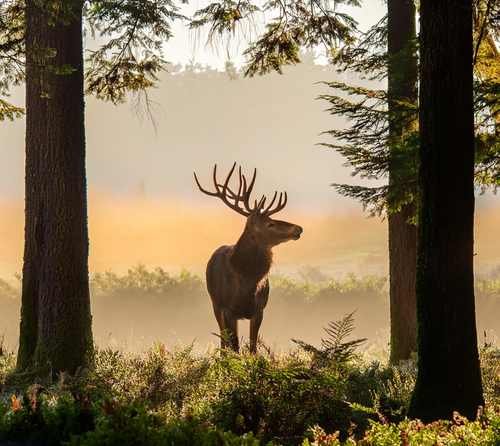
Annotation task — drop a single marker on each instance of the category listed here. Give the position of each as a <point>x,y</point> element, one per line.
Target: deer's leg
<point>254,330</point>
<point>219,315</point>
<point>232,330</point>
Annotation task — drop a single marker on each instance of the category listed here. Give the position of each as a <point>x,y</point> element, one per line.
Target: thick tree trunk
<point>402,86</point>
<point>449,376</point>
<point>55,315</point>
<point>36,128</point>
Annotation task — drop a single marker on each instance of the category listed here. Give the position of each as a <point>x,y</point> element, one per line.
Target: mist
<point>338,266</point>
<point>144,209</point>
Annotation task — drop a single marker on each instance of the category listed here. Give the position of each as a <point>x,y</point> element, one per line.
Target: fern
<point>335,349</point>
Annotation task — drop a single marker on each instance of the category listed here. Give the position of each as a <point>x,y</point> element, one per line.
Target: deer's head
<point>260,226</point>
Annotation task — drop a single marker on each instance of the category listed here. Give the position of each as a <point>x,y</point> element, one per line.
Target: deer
<point>237,275</point>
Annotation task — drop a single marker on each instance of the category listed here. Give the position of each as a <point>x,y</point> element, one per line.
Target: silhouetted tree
<point>42,42</point>
<point>382,140</point>
<point>401,92</point>
<point>379,142</point>
<point>55,317</point>
<point>449,376</point>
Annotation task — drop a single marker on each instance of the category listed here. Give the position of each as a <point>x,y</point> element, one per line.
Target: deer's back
<point>231,290</point>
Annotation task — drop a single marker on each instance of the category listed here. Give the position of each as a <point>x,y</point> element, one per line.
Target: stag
<point>237,275</point>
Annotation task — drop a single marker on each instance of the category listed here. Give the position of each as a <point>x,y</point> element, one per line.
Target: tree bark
<point>55,332</point>
<point>449,376</point>
<point>402,86</point>
<point>402,284</point>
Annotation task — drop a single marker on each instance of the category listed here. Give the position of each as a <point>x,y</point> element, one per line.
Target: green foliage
<point>365,142</point>
<point>223,17</point>
<point>129,60</point>
<point>9,111</point>
<point>368,56</point>
<point>276,398</point>
<point>44,415</point>
<point>131,57</point>
<point>141,280</point>
<point>130,425</point>
<point>11,49</point>
<point>292,27</point>
<point>7,362</point>
<point>489,355</point>
<point>459,432</point>
<point>335,349</point>
<point>488,152</point>
<point>57,417</point>
<point>131,34</point>
<point>178,397</point>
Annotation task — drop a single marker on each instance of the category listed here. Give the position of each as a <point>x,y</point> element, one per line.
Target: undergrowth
<point>179,397</point>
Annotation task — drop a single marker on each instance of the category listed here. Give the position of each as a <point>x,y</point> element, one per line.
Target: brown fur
<point>237,276</point>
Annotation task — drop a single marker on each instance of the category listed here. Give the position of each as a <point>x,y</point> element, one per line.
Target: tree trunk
<point>402,277</point>
<point>449,376</point>
<point>55,317</point>
<point>402,86</point>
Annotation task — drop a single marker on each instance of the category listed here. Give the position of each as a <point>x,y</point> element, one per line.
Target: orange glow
<point>173,235</point>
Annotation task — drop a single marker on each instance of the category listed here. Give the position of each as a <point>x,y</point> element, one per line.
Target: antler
<point>233,199</point>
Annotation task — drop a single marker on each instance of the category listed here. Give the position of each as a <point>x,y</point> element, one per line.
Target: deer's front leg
<point>254,330</point>
<point>231,325</point>
<point>219,315</point>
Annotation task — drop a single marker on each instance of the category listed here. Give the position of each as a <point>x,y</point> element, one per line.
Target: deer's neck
<point>250,258</point>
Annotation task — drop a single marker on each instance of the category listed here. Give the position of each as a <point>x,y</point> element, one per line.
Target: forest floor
<point>308,396</point>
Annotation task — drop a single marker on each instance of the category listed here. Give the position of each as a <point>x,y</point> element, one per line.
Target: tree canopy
<point>128,36</point>
<point>364,143</point>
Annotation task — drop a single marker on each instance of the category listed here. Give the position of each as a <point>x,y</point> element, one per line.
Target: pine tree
<point>402,78</point>
<point>42,44</point>
<point>370,148</point>
<point>449,376</point>
<point>55,320</point>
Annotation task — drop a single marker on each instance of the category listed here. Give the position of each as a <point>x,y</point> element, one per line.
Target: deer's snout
<point>297,231</point>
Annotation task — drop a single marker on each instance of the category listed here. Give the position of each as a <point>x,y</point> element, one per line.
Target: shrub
<point>7,362</point>
<point>459,432</point>
<point>178,397</point>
